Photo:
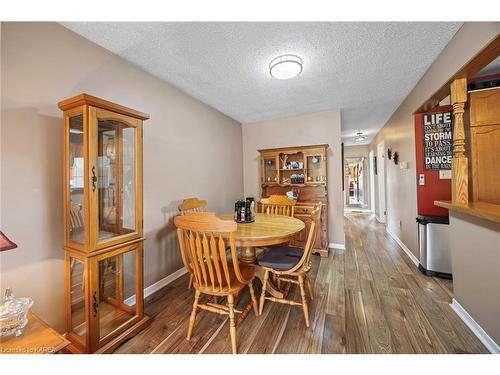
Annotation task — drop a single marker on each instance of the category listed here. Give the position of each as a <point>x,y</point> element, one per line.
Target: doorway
<point>356,191</point>
<point>381,213</point>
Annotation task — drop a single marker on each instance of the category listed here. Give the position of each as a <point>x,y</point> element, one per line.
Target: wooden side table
<point>37,338</point>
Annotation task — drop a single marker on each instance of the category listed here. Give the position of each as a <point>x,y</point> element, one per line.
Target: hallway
<point>389,306</point>
<point>369,298</point>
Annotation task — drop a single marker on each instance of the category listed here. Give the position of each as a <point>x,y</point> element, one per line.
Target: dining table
<point>265,230</point>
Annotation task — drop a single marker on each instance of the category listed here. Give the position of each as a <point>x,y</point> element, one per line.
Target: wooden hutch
<point>302,170</point>
<point>103,224</point>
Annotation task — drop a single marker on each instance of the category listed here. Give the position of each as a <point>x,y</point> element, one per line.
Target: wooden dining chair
<point>287,265</point>
<point>192,205</point>
<point>277,205</point>
<point>203,240</point>
<point>76,223</point>
<point>75,216</point>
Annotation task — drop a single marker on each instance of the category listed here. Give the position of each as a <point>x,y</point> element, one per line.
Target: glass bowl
<point>13,315</point>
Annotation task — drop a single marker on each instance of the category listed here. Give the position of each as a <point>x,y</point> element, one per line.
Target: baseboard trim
<point>338,246</point>
<point>480,333</point>
<point>362,210</point>
<point>403,246</point>
<point>158,285</point>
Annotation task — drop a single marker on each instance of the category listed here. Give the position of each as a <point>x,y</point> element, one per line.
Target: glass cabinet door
<point>316,171</point>
<point>115,176</point>
<point>270,170</point>
<point>75,177</point>
<point>77,297</point>
<point>117,292</point>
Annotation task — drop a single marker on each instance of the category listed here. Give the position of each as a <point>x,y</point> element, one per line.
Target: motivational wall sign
<point>438,140</point>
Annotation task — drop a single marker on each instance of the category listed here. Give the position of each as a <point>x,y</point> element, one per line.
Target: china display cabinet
<point>103,231</point>
<point>302,171</point>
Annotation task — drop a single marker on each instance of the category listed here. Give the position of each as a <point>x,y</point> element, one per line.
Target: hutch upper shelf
<point>294,166</point>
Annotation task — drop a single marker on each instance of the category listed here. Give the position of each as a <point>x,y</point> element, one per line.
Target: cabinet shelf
<point>294,185</point>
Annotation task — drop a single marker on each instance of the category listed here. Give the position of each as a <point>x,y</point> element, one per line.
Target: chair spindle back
<point>277,205</point>
<point>192,205</point>
<point>75,216</point>
<point>203,239</point>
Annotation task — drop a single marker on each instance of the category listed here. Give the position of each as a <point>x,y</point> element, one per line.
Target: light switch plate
<point>445,174</point>
<point>421,179</point>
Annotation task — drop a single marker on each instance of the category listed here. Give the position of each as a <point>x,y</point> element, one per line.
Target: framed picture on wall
<point>438,140</point>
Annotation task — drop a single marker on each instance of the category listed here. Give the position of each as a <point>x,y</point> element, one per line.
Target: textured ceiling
<point>363,69</point>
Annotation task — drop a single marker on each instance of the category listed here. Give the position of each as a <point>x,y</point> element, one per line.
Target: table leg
<point>247,255</point>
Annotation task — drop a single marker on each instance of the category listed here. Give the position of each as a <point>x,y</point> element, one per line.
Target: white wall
<point>475,260</point>
<point>398,133</point>
<point>354,151</point>
<point>190,149</point>
<point>309,129</point>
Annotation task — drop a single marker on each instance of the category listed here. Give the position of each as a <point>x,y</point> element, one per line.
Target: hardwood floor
<point>369,298</point>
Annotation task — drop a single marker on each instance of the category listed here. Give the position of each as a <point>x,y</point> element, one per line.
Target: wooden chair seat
<point>288,250</point>
<point>278,260</point>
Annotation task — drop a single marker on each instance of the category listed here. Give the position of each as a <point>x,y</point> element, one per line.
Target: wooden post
<point>459,183</point>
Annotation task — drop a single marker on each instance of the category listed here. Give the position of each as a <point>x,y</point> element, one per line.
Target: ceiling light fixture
<point>359,137</point>
<point>285,66</point>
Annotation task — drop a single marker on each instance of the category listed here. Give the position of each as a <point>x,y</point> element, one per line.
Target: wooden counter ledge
<point>37,338</point>
<point>488,211</point>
